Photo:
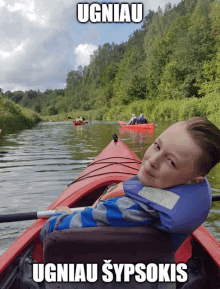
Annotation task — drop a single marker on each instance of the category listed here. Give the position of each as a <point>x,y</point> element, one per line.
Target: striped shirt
<point>120,211</point>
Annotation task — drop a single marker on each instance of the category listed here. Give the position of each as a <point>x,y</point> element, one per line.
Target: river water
<point>37,164</point>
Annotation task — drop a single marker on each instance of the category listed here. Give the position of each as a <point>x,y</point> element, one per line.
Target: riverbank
<point>13,117</point>
<point>154,110</point>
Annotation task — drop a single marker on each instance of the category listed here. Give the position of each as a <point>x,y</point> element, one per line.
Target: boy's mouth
<point>148,173</point>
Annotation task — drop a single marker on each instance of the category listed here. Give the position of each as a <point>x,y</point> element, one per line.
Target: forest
<point>169,69</point>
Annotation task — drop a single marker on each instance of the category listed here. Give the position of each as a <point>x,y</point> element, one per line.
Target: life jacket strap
<point>113,191</point>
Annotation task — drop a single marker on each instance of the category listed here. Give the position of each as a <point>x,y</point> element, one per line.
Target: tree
<point>73,79</point>
<point>8,94</point>
<point>32,94</point>
<point>147,20</point>
<point>17,96</point>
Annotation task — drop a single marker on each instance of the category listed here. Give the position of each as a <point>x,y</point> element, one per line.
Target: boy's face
<point>171,160</point>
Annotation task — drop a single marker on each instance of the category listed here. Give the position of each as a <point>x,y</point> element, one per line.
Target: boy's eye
<point>157,146</point>
<point>171,162</point>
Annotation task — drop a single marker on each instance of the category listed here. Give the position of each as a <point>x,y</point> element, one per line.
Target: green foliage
<point>167,110</point>
<point>154,110</point>
<point>155,48</point>
<point>13,117</point>
<point>170,80</point>
<point>51,110</point>
<point>109,73</point>
<point>137,87</point>
<point>126,79</point>
<point>10,107</point>
<point>61,104</point>
<point>17,96</point>
<point>215,20</point>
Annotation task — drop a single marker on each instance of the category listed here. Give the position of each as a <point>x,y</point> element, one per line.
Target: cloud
<point>35,43</point>
<point>83,52</point>
<point>38,38</point>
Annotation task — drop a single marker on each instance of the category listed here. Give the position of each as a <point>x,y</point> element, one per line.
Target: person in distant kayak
<point>133,119</point>
<point>142,119</point>
<point>77,119</point>
<point>170,191</point>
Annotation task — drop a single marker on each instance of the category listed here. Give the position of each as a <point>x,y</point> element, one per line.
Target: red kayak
<point>114,164</point>
<point>138,127</point>
<point>75,123</point>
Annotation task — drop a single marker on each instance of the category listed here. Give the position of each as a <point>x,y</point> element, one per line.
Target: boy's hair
<point>207,137</point>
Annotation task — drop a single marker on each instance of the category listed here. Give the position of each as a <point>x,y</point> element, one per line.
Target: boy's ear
<point>196,180</point>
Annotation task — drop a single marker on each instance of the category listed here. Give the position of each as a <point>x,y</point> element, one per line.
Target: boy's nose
<point>153,162</point>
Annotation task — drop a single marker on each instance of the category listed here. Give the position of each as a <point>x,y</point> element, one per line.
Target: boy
<point>170,191</point>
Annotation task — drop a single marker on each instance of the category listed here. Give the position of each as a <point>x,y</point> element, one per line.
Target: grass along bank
<point>165,110</point>
<point>13,117</point>
<point>154,110</point>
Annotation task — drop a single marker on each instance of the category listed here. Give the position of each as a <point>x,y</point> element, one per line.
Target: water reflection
<point>137,134</point>
<point>138,141</point>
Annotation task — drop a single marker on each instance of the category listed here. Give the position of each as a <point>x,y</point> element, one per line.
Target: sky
<point>43,40</point>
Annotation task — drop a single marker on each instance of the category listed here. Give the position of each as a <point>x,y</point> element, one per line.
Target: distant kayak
<point>145,126</point>
<point>78,122</point>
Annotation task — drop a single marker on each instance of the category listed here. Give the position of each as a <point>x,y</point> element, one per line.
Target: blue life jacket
<point>142,119</point>
<point>191,205</point>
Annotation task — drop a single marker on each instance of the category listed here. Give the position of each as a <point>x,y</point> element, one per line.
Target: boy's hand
<point>63,209</point>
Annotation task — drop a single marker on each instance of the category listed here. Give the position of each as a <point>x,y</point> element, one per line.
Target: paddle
<point>47,214</point>
<point>32,215</point>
